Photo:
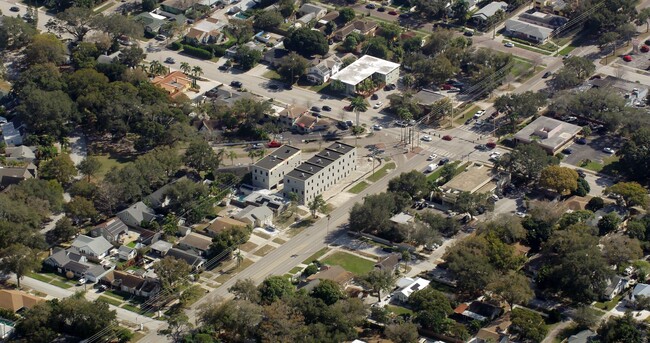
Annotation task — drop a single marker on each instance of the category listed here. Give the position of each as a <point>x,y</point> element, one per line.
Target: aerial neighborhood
<point>325,171</point>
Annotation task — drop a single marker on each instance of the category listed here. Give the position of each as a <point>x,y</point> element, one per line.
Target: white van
<point>431,168</point>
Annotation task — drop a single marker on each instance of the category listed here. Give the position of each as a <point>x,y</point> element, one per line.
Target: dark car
<point>289,87</point>
<point>315,108</point>
<point>237,84</point>
<point>581,173</point>
<point>468,121</point>
<point>491,145</point>
<point>326,108</point>
<point>392,13</point>
<point>546,75</point>
<point>381,9</point>
<point>443,161</point>
<point>567,151</point>
<point>447,138</point>
<point>274,86</point>
<point>371,6</point>
<point>468,33</point>
<point>405,15</point>
<point>342,125</point>
<point>374,97</point>
<point>223,67</point>
<point>481,147</point>
<point>14,9</point>
<point>581,140</point>
<point>349,122</point>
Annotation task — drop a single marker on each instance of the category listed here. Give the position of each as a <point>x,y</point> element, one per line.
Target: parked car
<point>405,15</point>
<point>274,144</point>
<point>170,60</point>
<point>432,157</point>
<point>274,86</point>
<point>546,75</point>
<point>581,140</point>
<point>581,173</point>
<point>160,37</point>
<point>371,6</point>
<point>443,161</point>
<point>381,9</point>
<point>392,13</point>
<point>627,58</point>
<point>326,108</point>
<point>14,9</point>
<point>609,150</point>
<point>237,84</point>
<point>426,138</point>
<point>468,121</point>
<point>374,97</point>
<point>377,105</point>
<point>342,125</point>
<point>288,86</point>
<point>223,67</point>
<point>481,147</point>
<point>315,109</point>
<point>495,156</point>
<point>491,145</point>
<point>645,48</point>
<point>446,138</point>
<point>478,114</point>
<point>468,33</point>
<point>567,151</point>
<point>82,281</point>
<point>256,146</point>
<point>377,127</point>
<point>509,45</point>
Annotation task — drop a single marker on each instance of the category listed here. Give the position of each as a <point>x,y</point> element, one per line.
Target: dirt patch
<point>263,251</point>
<point>248,246</point>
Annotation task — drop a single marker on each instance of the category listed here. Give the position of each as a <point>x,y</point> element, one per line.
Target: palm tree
<point>406,257</point>
<point>252,154</point>
<point>231,155</point>
<point>185,67</point>
<point>261,153</point>
<point>239,257</point>
<point>358,104</point>
<point>156,68</point>
<point>196,72</point>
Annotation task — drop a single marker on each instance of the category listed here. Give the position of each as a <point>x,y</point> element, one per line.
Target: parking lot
<point>593,150</point>
<point>639,60</point>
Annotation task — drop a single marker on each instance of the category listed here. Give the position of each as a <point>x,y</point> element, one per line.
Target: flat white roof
<point>364,67</point>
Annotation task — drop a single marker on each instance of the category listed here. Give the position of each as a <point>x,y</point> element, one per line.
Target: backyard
<point>351,263</point>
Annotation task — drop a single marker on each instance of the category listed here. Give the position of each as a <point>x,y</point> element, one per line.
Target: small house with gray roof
<point>195,261</point>
<point>483,16</point>
<point>256,216</point>
<point>96,247</point>
<point>136,214</point>
<point>640,290</point>
<point>20,153</point>
<point>113,230</point>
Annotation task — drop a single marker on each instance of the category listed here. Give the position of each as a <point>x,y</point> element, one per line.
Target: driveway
<point>78,148</point>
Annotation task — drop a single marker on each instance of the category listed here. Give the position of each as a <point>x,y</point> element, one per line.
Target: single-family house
<point>15,301</point>
<point>136,214</point>
<point>305,124</point>
<point>407,286</point>
<point>206,31</point>
<point>364,27</point>
<point>548,20</point>
<point>89,271</point>
<point>333,273</point>
<point>528,31</point>
<point>152,22</point>
<point>495,332</point>
<point>477,310</point>
<point>274,55</point>
<point>14,175</point>
<point>20,153</point>
<point>324,69</point>
<point>196,242</point>
<point>113,230</point>
<point>256,216</point>
<point>330,16</point>
<point>177,6</point>
<point>307,8</point>
<point>11,134</point>
<point>126,253</point>
<point>401,219</point>
<point>640,290</point>
<point>96,247</point>
<point>289,115</point>
<point>195,261</point>
<point>232,51</point>
<point>615,285</point>
<point>132,284</point>
<point>484,16</point>
<point>221,223</point>
<point>389,263</point>
<point>61,257</point>
<point>428,98</point>
<point>174,83</point>
<point>160,247</point>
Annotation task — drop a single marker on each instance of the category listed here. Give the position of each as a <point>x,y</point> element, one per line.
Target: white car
<point>82,281</point>
<point>509,45</point>
<point>609,150</point>
<point>432,157</point>
<point>426,138</point>
<point>377,105</point>
<point>479,123</point>
<point>520,214</point>
<point>478,114</point>
<point>377,127</point>
<point>495,155</point>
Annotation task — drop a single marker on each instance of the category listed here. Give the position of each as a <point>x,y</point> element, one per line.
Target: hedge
<point>197,52</point>
<point>175,46</point>
<point>217,50</point>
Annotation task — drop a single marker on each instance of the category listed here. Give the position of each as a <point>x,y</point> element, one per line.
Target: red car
<point>645,48</point>
<point>491,145</point>
<point>627,58</point>
<point>274,144</point>
<point>447,138</point>
<point>392,13</point>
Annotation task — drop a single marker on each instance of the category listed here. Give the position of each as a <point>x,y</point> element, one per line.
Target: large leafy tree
<point>268,20</point>
<point>15,33</point>
<point>228,239</point>
<point>513,288</point>
<point>18,259</point>
<point>413,183</point>
<point>189,199</point>
<point>306,42</point>
<point>576,69</point>
<point>632,193</point>
<point>75,21</point>
<point>526,162</point>
<point>200,156</point>
<point>45,48</point>
<point>432,308</point>
<point>247,57</point>
<point>378,281</point>
<point>560,179</point>
<point>274,288</point>
<point>172,273</point>
<point>528,325</point>
<point>292,66</point>
<point>519,106</point>
<point>635,155</point>
<point>48,112</point>
<point>60,168</point>
<point>328,291</point>
<point>621,329</point>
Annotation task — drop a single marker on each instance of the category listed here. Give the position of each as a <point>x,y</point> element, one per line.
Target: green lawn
<point>104,8</point>
<point>359,187</point>
<point>598,167</point>
<point>436,173</point>
<point>528,47</point>
<point>295,270</point>
<point>520,67</point>
<point>272,75</point>
<point>316,255</point>
<point>567,49</point>
<point>110,161</point>
<point>349,262</point>
<point>61,284</point>
<point>115,295</point>
<point>379,174</point>
<point>466,115</point>
<point>109,300</point>
<point>39,277</point>
<point>609,304</point>
<point>398,310</point>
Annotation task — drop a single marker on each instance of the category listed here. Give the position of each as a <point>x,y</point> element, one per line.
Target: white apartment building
<point>320,172</point>
<point>381,71</point>
<point>269,172</point>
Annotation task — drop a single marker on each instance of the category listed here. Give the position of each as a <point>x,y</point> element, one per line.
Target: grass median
<point>379,174</point>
